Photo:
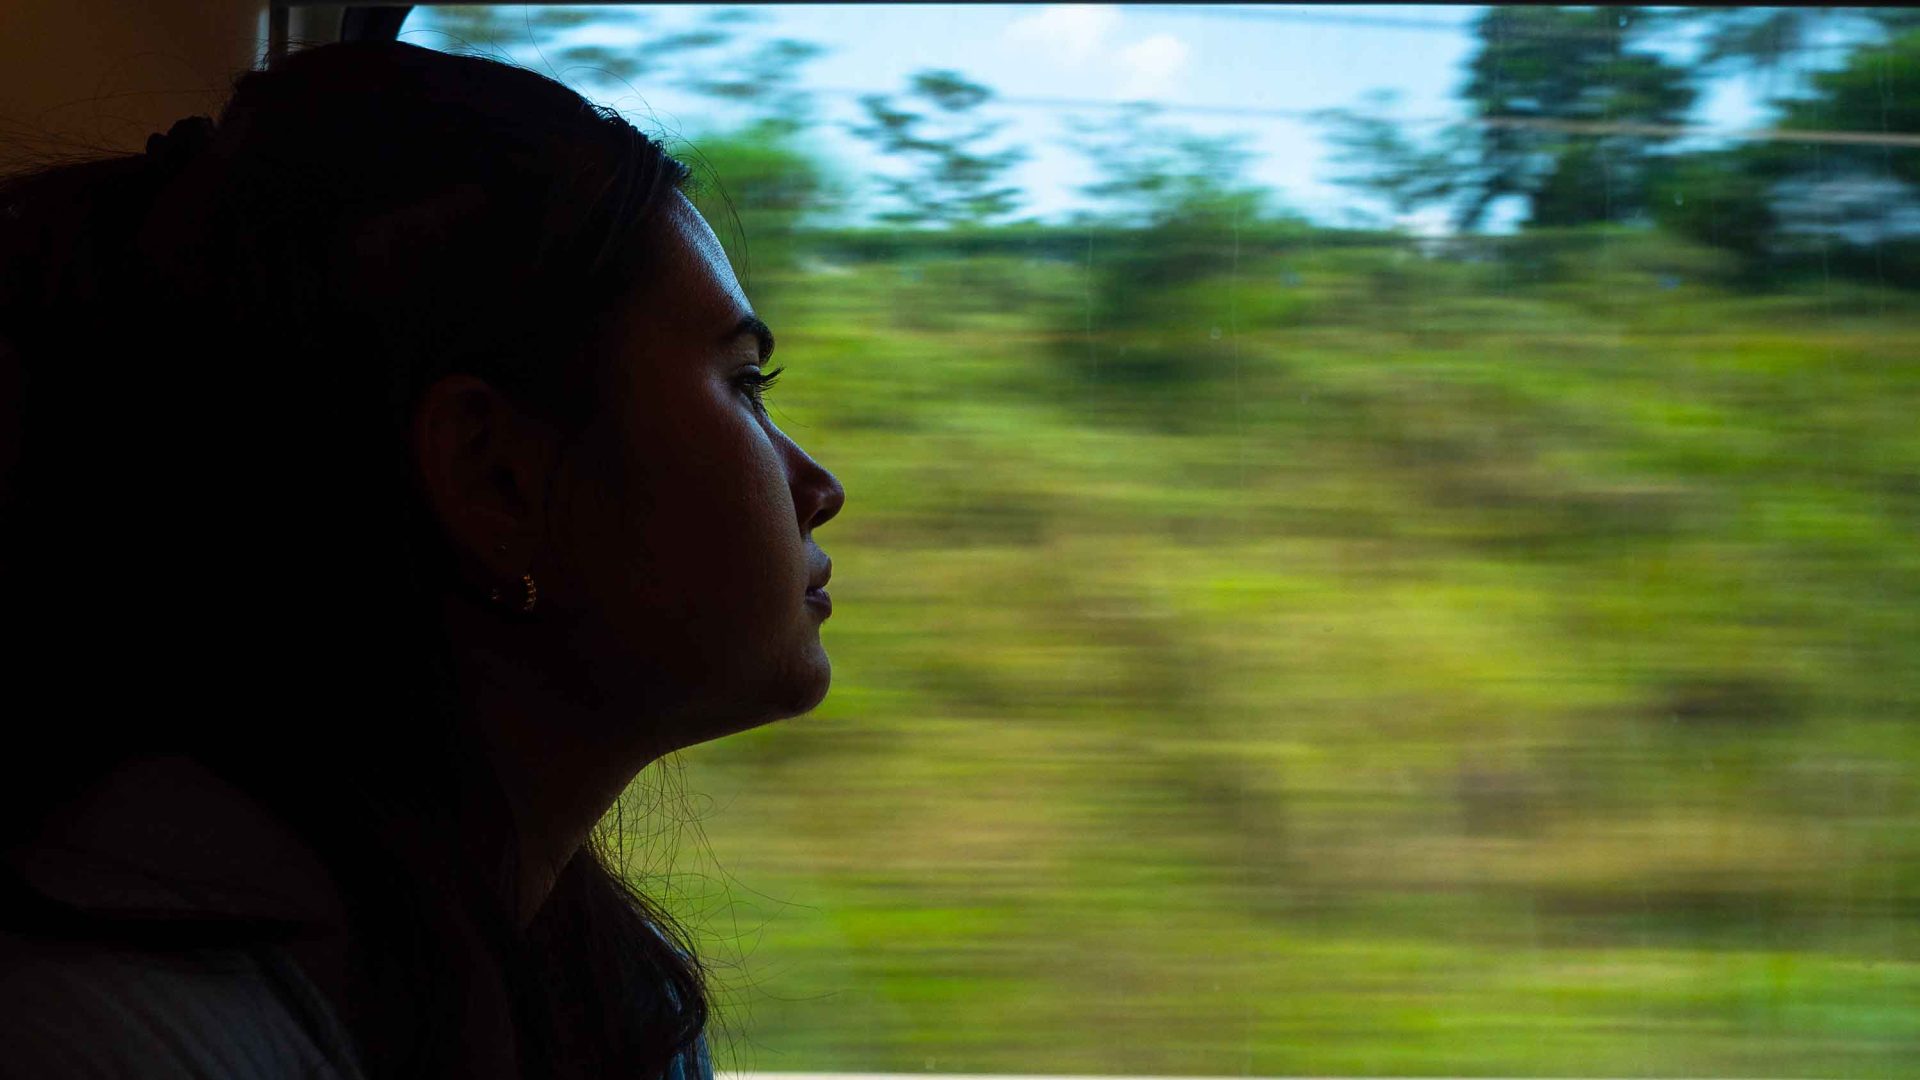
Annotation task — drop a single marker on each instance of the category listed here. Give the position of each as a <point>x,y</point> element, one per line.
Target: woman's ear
<point>483,466</point>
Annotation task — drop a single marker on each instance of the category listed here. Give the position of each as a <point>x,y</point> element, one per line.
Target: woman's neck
<point>561,762</point>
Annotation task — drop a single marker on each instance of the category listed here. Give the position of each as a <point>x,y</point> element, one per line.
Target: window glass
<point>1379,541</point>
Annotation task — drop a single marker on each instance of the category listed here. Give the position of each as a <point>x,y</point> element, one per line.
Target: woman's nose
<point>818,493</point>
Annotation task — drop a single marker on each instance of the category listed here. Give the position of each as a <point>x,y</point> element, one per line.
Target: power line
<point>1532,123</point>
<point>1674,131</point>
<point>1259,14</point>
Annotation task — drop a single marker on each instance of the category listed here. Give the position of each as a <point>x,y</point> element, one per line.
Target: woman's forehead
<point>698,271</point>
<point>690,300</point>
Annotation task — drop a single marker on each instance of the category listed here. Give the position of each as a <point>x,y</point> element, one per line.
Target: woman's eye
<point>757,383</point>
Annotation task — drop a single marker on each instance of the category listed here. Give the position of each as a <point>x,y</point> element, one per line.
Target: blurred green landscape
<point>1268,648</point>
<point>1495,673</point>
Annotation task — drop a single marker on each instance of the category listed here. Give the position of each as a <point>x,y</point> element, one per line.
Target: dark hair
<point>217,545</point>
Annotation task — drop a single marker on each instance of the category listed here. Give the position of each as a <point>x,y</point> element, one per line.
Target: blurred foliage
<point>1771,44</point>
<point>1828,205</point>
<point>1879,84</point>
<point>753,181</point>
<point>954,179</point>
<point>757,188</point>
<point>1847,208</point>
<point>1566,65</point>
<point>1379,157</point>
<point>1173,208</point>
<point>1155,175</point>
<point>1509,668</point>
<point>1534,68</point>
<point>713,58</point>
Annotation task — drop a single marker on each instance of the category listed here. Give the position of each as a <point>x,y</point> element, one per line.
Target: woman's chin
<point>793,700</point>
<point>814,678</point>
<point>747,695</point>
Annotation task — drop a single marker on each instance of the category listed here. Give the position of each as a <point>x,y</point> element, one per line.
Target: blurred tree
<point>1877,90</point>
<point>955,177</point>
<point>758,188</point>
<point>753,182</point>
<point>1720,198</point>
<point>767,81</point>
<point>1381,159</point>
<point>1536,67</point>
<point>1550,65</point>
<point>490,29</point>
<point>1852,204</point>
<point>1175,198</point>
<point>1172,209</point>
<point>761,75</point>
<point>1155,176</point>
<point>1778,47</point>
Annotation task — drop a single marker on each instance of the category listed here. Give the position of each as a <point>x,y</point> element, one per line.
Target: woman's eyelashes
<point>757,383</point>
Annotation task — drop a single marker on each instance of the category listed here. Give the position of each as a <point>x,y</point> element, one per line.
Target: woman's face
<point>683,525</point>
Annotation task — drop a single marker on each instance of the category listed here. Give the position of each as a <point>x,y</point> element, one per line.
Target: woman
<point>387,484</point>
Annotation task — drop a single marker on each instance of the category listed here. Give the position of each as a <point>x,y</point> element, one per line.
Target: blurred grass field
<point>1348,660</point>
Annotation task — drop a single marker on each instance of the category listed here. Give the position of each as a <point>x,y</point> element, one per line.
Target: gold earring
<point>533,594</point>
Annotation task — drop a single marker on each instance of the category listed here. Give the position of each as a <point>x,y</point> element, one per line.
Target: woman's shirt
<point>226,1014</point>
<point>222,1014</point>
<point>88,1010</point>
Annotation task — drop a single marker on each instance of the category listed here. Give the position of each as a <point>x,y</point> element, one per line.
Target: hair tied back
<point>168,154</point>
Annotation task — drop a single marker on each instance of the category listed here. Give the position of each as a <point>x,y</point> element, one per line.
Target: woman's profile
<point>387,483</point>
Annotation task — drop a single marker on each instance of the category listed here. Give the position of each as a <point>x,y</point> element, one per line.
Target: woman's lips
<point>819,599</point>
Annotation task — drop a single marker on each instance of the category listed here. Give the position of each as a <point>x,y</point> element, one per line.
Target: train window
<point>1380,540</point>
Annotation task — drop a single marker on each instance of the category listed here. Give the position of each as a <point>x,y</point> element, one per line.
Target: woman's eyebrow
<point>751,324</point>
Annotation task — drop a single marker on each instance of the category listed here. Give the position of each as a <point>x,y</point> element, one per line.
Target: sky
<point>1289,59</point>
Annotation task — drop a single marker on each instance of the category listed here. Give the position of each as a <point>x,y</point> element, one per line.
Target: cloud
<point>1151,64</point>
<point>1072,32</point>
<point>1071,35</point>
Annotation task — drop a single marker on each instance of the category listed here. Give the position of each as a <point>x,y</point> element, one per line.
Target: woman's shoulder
<point>167,834</point>
<point>92,1010</point>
